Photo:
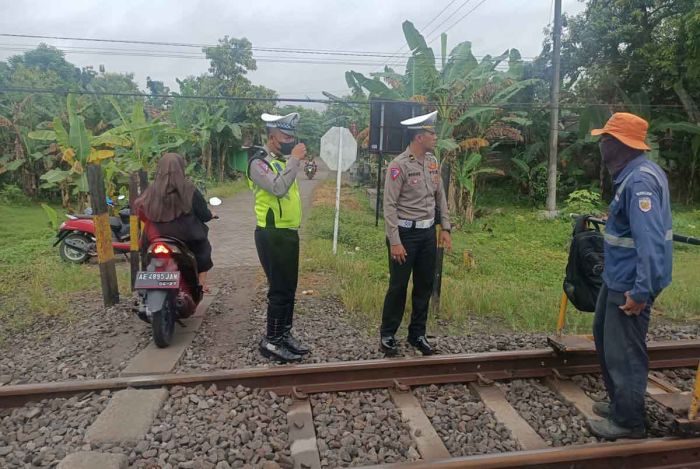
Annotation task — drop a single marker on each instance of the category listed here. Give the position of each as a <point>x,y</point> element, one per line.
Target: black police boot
<point>293,344</point>
<point>421,343</point>
<point>388,345</point>
<point>272,345</point>
<point>277,351</point>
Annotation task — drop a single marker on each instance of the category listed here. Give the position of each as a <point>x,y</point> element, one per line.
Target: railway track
<point>478,371</point>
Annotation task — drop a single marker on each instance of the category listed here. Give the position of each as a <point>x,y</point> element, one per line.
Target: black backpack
<point>584,270</point>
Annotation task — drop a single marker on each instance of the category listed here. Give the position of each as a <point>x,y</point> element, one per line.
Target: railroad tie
<point>494,398</point>
<point>127,417</point>
<point>429,444</point>
<point>573,394</point>
<point>302,436</point>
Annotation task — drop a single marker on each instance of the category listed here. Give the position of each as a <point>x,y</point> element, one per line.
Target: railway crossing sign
<point>338,151</point>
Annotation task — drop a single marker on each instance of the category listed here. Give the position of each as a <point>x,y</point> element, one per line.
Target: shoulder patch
<point>433,165</point>
<point>264,167</point>
<point>645,204</point>
<point>394,172</point>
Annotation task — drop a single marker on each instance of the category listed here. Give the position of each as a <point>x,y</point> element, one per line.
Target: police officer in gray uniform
<point>638,262</point>
<point>412,190</point>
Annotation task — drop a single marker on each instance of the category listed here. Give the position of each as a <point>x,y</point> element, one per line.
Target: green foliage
<point>516,284</point>
<point>52,216</point>
<point>583,202</point>
<point>11,194</point>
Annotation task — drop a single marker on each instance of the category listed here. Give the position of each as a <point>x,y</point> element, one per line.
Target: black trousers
<point>421,249</point>
<point>278,250</point>
<point>620,342</point>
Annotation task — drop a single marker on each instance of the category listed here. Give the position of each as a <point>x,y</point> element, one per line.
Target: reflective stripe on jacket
<point>638,233</point>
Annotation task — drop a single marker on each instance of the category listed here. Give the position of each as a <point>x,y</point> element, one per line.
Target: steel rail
<point>656,453</point>
<point>368,374</point>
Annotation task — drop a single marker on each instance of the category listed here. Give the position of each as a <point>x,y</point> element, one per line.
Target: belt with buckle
<point>419,224</point>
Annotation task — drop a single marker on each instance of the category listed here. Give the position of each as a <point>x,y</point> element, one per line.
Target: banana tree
<point>76,147</point>
<point>469,169</point>
<point>22,160</point>
<point>214,132</point>
<point>471,97</point>
<point>146,140</point>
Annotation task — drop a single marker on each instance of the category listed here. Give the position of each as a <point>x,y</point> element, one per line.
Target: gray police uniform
<point>412,191</point>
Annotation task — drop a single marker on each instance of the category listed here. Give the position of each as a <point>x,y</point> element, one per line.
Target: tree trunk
<point>207,152</point>
<point>65,195</point>
<point>469,209</point>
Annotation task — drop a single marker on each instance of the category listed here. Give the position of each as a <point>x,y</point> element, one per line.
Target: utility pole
<point>554,106</point>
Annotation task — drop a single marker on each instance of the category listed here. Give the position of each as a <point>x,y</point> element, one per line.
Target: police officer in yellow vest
<point>272,173</point>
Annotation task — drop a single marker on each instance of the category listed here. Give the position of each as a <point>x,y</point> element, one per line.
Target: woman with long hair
<point>173,207</point>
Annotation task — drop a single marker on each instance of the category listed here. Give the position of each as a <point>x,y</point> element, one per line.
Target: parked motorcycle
<point>77,235</point>
<point>168,290</point>
<point>310,169</point>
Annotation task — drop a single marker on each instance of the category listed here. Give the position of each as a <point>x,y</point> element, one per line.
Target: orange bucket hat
<point>627,128</point>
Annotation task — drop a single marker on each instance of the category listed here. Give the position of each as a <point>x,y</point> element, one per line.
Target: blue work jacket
<point>638,234</point>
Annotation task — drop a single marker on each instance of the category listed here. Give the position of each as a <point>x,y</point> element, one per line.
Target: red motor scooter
<point>77,235</point>
<point>168,289</point>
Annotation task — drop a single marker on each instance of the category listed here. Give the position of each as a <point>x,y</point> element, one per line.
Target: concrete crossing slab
<point>127,417</point>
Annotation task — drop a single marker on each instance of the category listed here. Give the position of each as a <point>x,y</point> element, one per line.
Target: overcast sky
<point>358,25</point>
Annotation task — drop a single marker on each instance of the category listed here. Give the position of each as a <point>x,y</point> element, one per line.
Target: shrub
<point>584,202</point>
<point>10,194</point>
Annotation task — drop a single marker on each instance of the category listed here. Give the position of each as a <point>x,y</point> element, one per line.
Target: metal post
<point>437,280</point>
<point>554,121</point>
<point>134,230</point>
<point>143,185</point>
<point>337,193</point>
<point>380,158</point>
<point>103,234</point>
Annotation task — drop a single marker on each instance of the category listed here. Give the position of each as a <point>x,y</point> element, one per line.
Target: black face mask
<point>616,155</point>
<point>286,148</point>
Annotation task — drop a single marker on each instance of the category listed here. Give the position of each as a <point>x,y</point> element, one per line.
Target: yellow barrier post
<point>103,235</point>
<point>561,322</point>
<point>695,401</point>
<point>134,231</point>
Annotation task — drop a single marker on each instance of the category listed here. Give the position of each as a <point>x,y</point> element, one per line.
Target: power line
<point>201,46</point>
<point>63,92</point>
<point>182,55</point>
<point>465,3</point>
<point>426,26</point>
<point>461,18</point>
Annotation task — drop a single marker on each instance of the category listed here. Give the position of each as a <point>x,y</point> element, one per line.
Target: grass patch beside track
<point>515,285</point>
<point>34,281</point>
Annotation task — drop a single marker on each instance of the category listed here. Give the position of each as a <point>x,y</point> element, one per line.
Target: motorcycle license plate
<point>146,280</point>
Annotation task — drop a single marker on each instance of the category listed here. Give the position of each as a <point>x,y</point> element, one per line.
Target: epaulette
<point>259,154</point>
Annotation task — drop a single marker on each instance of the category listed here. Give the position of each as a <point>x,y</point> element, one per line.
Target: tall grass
<point>516,282</point>
<point>34,282</point>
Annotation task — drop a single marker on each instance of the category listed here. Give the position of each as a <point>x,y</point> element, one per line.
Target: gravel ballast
<point>362,427</point>
<point>98,345</point>
<point>558,423</point>
<point>211,428</point>
<point>463,422</point>
<point>41,434</point>
<point>327,328</point>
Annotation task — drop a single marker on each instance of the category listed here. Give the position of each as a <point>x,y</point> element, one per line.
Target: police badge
<point>645,204</point>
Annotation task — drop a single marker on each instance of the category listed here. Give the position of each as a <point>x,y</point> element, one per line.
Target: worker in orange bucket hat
<point>638,260</point>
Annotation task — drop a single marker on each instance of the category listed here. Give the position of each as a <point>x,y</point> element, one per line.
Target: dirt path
<point>237,272</point>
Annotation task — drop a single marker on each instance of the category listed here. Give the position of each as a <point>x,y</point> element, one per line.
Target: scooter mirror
<point>214,201</point>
